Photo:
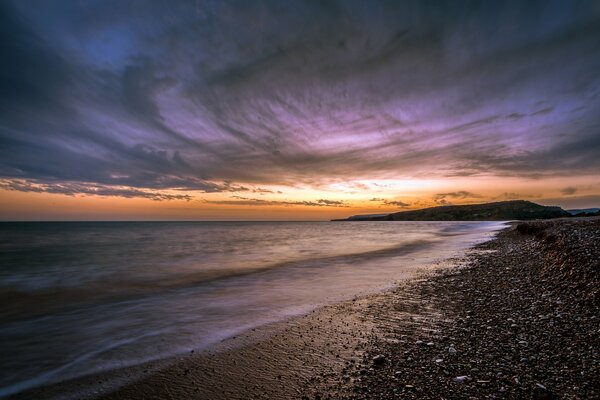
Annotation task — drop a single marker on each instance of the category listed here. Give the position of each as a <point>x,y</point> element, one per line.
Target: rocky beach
<point>515,318</point>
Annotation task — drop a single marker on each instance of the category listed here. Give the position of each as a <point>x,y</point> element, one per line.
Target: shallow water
<point>79,298</point>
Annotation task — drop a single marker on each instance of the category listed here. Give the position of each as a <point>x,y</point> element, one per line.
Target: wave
<point>142,301</point>
<point>16,304</point>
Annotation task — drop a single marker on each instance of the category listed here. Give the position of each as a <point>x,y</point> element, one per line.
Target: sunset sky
<point>294,110</point>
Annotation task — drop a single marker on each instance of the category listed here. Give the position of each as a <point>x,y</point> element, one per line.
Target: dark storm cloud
<point>32,73</point>
<point>222,96</point>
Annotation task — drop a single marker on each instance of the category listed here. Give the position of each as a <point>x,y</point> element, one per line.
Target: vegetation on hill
<point>498,211</point>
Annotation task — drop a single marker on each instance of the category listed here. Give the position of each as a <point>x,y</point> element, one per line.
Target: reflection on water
<point>83,297</point>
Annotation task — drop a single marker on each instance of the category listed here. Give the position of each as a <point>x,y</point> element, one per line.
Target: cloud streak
<point>569,190</point>
<point>75,189</point>
<point>442,198</point>
<point>248,201</point>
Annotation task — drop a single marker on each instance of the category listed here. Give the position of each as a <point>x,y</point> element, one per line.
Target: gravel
<point>517,320</point>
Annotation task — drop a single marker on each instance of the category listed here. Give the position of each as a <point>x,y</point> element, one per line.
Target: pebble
<point>497,315</point>
<point>379,359</point>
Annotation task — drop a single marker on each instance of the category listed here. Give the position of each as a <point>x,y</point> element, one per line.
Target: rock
<point>540,392</point>
<point>461,379</point>
<point>451,350</point>
<point>379,359</point>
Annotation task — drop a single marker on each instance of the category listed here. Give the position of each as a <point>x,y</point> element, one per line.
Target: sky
<point>294,110</point>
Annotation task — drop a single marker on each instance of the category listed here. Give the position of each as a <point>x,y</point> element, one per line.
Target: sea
<point>79,298</point>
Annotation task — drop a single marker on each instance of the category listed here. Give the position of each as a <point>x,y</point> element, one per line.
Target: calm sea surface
<point>78,298</point>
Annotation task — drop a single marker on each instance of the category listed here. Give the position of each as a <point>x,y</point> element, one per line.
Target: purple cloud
<point>198,98</point>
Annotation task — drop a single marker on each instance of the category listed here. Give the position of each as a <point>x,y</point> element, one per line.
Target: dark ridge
<point>498,211</point>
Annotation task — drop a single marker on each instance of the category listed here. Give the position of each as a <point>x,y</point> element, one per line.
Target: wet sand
<point>516,318</point>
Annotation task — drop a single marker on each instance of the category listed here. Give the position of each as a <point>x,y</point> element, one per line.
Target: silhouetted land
<point>498,211</point>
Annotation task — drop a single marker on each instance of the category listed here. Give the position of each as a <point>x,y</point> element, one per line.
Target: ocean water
<point>78,298</point>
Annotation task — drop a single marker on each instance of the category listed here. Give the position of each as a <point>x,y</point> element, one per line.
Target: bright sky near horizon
<point>280,110</point>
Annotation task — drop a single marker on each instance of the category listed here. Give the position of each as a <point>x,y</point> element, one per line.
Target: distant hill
<point>499,211</point>
<point>585,211</point>
<point>366,217</point>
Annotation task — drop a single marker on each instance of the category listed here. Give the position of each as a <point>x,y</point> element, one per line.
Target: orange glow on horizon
<point>336,200</point>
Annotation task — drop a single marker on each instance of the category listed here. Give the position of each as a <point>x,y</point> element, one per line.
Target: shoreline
<point>369,347</point>
<point>225,359</point>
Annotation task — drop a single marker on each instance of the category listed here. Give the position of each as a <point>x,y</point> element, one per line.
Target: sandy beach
<point>517,317</point>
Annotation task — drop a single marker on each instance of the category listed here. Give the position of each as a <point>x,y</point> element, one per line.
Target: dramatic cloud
<point>228,96</point>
